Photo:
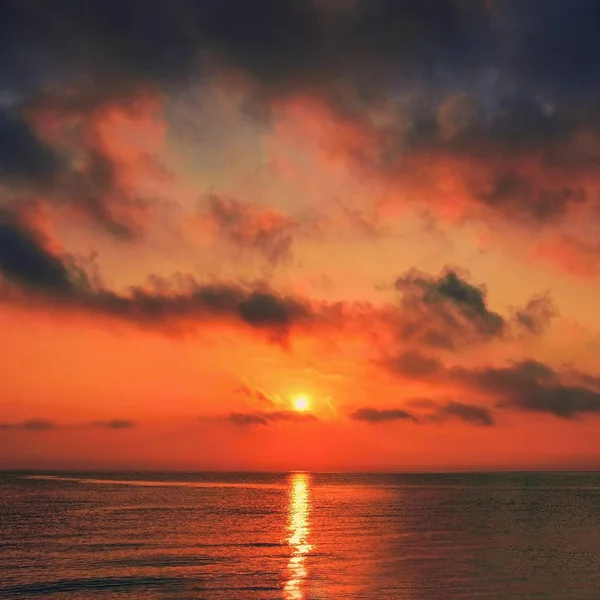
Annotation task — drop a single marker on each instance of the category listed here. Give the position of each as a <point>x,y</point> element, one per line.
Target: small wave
<point>166,561</point>
<point>79,585</point>
<point>142,483</point>
<point>261,545</point>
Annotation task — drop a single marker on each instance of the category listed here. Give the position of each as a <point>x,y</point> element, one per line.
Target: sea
<point>299,536</point>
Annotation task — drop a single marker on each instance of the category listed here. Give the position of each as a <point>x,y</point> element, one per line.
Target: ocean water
<point>300,536</point>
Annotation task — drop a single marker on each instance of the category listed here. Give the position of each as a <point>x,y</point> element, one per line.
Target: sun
<point>301,403</point>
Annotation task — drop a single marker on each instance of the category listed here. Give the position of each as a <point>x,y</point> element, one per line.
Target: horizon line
<point>297,471</point>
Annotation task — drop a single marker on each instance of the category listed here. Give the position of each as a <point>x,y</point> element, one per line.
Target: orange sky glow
<point>184,255</point>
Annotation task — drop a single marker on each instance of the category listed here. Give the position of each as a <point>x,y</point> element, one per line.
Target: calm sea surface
<point>87,536</point>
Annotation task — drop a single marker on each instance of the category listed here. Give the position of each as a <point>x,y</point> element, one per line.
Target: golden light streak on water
<point>299,530</point>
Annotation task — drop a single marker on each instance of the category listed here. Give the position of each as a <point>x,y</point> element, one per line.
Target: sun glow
<point>301,403</point>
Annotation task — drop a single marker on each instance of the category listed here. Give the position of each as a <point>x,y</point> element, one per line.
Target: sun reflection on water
<point>298,529</point>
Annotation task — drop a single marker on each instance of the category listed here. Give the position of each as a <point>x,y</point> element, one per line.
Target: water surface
<point>161,536</point>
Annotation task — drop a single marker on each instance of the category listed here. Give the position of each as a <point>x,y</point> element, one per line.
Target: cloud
<point>448,312</point>
<point>560,53</point>
<point>89,155</point>
<point>526,386</point>
<point>35,271</point>
<point>444,312</point>
<point>254,394</point>
<point>248,419</point>
<point>45,424</point>
<point>23,157</point>
<point>376,415</point>
<point>518,162</point>
<point>251,228</point>
<point>442,411</point>
<point>24,260</point>
<point>107,154</point>
<point>414,364</point>
<point>486,110</point>
<point>266,418</point>
<point>114,424</point>
<point>532,386</point>
<point>264,309</point>
<point>536,315</point>
<point>30,425</point>
<point>478,415</point>
<point>495,156</point>
<point>435,412</point>
<point>122,48</point>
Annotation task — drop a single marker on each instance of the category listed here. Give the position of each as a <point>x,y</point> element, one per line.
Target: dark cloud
<point>30,425</point>
<point>248,419</point>
<point>532,386</point>
<point>372,45</point>
<point>83,176</point>
<point>448,312</point>
<point>284,44</point>
<point>368,45</point>
<point>427,411</point>
<point>264,309</point>
<point>23,157</point>
<point>496,154</point>
<point>24,260</point>
<point>110,47</point>
<point>504,94</point>
<point>528,386</point>
<point>563,401</point>
<point>442,411</point>
<point>376,415</point>
<point>260,310</point>
<point>452,287</point>
<point>517,196</point>
<point>44,424</point>
<point>115,424</point>
<point>29,268</point>
<point>445,312</point>
<point>557,48</point>
<point>265,418</point>
<point>414,364</point>
<point>478,415</point>
<point>58,77</point>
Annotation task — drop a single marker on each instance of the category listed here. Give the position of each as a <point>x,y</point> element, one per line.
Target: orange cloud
<point>107,158</point>
<point>251,228</point>
<point>527,167</point>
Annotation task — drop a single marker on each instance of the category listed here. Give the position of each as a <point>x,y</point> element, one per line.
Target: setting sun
<point>301,403</point>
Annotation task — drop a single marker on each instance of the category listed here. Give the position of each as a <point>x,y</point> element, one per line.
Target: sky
<point>387,208</point>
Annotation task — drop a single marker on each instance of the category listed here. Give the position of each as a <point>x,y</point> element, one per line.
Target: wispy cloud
<point>30,425</point>
<point>381,415</point>
<point>254,394</point>
<point>424,411</point>
<point>251,228</point>
<point>266,418</point>
<point>114,424</point>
